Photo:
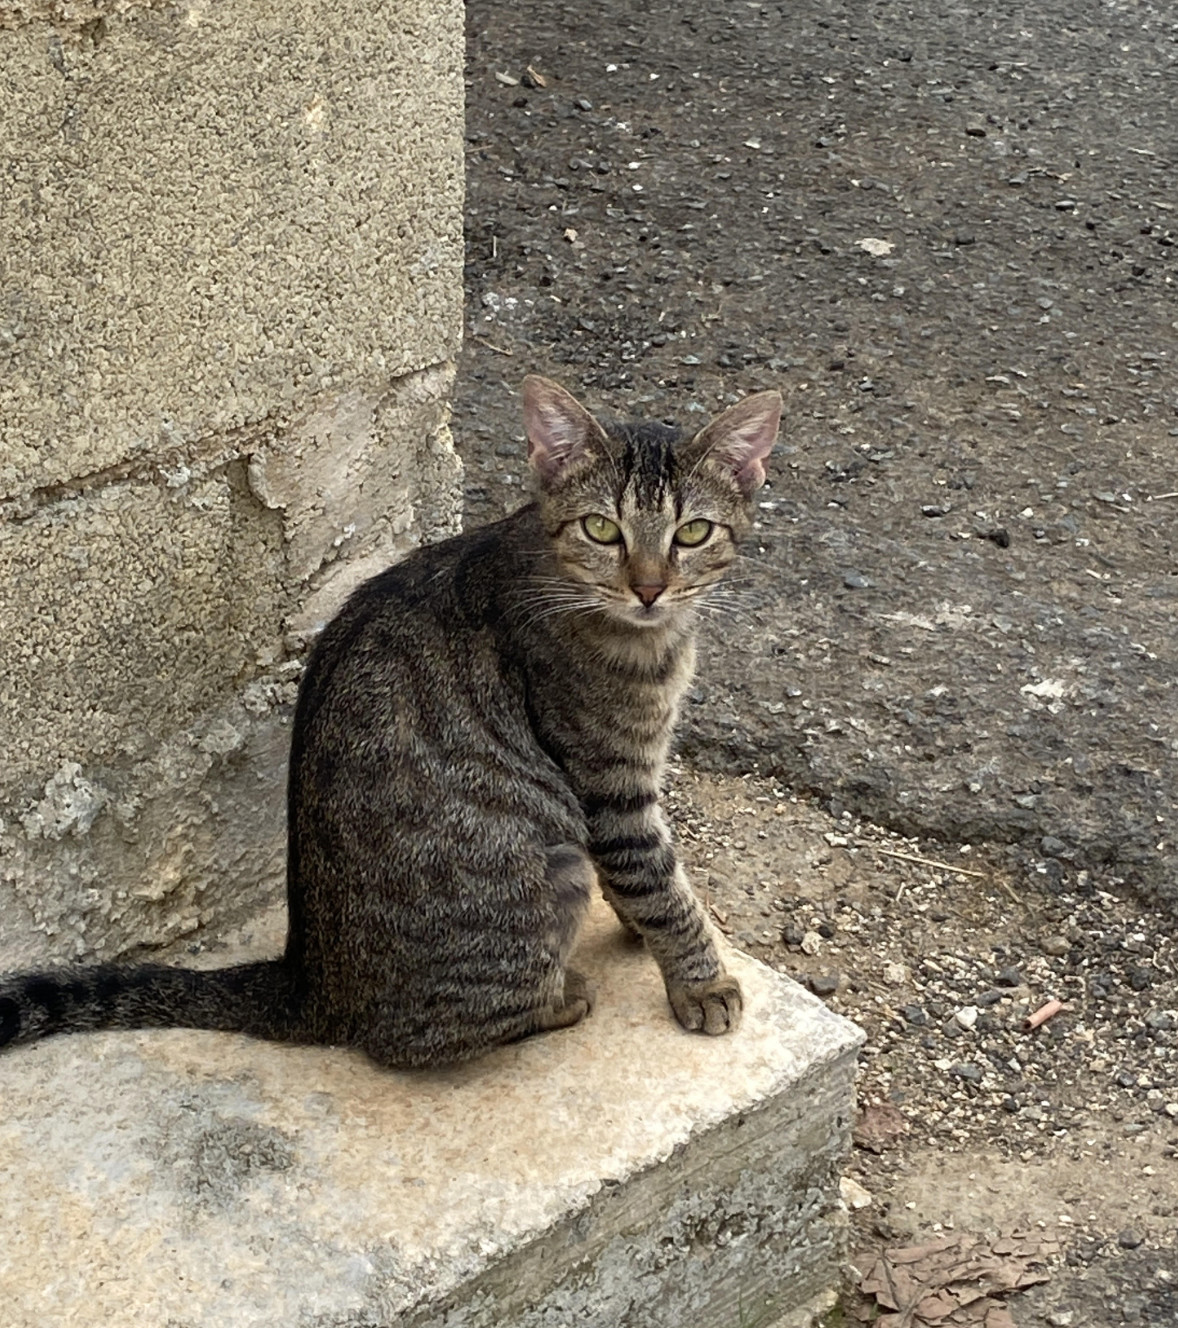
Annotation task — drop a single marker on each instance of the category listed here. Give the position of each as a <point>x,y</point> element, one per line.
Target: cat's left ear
<point>560,430</point>
<point>738,441</point>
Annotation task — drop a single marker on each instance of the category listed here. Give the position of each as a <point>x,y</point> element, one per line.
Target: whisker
<point>551,604</point>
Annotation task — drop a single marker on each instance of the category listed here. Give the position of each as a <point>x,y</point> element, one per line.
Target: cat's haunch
<point>479,742</point>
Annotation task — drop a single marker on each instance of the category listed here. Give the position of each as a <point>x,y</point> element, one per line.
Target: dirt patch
<point>971,1122</point>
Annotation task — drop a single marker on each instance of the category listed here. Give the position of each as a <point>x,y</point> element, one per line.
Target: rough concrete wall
<point>230,297</point>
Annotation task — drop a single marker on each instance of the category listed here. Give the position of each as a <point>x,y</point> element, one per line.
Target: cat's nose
<point>649,592</point>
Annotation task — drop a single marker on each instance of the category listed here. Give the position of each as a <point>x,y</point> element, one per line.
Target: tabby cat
<point>479,739</point>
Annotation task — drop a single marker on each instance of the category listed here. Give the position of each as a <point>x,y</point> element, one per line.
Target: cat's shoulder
<point>466,566</point>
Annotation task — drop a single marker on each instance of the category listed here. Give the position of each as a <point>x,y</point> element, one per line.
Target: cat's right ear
<point>560,430</point>
<point>738,442</point>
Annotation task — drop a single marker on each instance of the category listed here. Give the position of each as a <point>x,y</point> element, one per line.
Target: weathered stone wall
<point>230,298</point>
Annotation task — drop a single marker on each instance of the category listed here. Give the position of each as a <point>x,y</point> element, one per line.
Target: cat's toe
<point>578,990</point>
<point>574,1004</point>
<point>707,1007</point>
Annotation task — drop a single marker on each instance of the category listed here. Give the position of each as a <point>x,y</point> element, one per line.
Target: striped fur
<point>480,736</point>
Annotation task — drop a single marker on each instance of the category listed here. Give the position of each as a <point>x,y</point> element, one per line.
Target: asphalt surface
<point>949,235</point>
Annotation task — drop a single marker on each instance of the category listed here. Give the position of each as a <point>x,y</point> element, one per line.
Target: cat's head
<point>643,521</point>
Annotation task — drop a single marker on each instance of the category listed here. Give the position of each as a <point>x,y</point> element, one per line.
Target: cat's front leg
<point>644,881</point>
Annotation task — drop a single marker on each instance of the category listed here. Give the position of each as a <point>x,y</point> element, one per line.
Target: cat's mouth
<point>658,614</point>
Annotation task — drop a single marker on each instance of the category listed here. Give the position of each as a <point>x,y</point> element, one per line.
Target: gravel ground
<point>951,243</point>
<point>949,238</point>
<point>969,1120</point>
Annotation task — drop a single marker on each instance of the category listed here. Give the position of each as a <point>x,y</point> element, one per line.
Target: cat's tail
<point>260,999</point>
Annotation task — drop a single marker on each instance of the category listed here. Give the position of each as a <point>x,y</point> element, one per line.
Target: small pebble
<point>1007,977</point>
<point>967,1017</point>
<point>853,1194</point>
<point>824,984</point>
<point>811,943</point>
<point>963,1070</point>
<point>1054,946</point>
<point>895,975</point>
<point>1128,1239</point>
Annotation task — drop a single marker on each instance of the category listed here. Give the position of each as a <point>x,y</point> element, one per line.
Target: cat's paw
<point>707,1007</point>
<point>578,990</point>
<point>575,1003</point>
<point>631,933</point>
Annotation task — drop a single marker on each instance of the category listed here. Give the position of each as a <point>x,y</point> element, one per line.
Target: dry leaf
<point>914,1253</point>
<point>998,1317</point>
<point>936,1307</point>
<point>952,1282</point>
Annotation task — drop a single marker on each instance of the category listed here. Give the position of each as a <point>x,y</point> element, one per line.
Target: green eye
<point>601,530</point>
<point>694,532</point>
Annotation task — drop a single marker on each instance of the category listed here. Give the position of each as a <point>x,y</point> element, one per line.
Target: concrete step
<point>620,1174</point>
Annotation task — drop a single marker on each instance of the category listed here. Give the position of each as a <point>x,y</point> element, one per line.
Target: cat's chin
<point>647,617</point>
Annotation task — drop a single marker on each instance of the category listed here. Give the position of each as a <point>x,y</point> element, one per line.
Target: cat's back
<point>416,696</point>
<point>440,608</point>
<point>458,582</point>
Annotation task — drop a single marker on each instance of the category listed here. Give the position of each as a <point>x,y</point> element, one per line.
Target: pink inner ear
<point>558,427</point>
<point>743,437</point>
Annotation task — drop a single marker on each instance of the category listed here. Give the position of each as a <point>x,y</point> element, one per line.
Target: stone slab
<point>621,1174</point>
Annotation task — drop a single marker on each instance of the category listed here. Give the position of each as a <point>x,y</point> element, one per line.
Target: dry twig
<point>490,345</point>
<point>925,862</point>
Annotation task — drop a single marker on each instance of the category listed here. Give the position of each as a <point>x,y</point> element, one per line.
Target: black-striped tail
<point>249,998</point>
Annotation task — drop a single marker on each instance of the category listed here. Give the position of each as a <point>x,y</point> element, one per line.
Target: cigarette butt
<point>1042,1014</point>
